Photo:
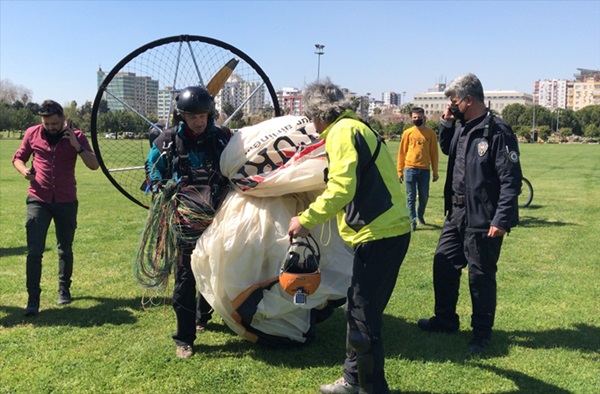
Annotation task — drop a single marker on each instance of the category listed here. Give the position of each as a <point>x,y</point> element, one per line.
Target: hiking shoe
<point>340,386</point>
<point>185,351</point>
<point>33,306</point>
<point>478,344</point>
<point>422,220</point>
<point>64,297</point>
<point>434,325</point>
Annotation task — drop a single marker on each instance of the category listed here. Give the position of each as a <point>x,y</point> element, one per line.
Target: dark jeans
<point>417,184</point>
<point>457,249</point>
<point>39,216</point>
<point>374,273</point>
<point>189,310</point>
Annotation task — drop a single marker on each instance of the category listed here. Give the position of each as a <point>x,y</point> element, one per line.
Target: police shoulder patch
<point>482,147</point>
<point>513,156</point>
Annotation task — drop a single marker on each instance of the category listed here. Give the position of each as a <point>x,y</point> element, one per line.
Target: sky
<point>54,48</point>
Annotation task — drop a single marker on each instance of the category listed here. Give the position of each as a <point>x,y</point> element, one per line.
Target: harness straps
<point>377,149</point>
<point>180,158</point>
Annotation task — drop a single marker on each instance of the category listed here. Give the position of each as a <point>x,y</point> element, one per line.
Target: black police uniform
<point>482,185</point>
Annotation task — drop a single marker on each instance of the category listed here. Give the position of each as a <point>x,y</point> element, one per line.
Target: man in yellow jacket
<point>418,152</point>
<point>364,193</point>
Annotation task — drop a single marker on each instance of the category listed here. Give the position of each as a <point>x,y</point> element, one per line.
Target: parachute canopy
<point>276,169</point>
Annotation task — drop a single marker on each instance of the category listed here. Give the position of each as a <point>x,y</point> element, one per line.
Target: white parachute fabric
<point>240,254</point>
<point>276,157</point>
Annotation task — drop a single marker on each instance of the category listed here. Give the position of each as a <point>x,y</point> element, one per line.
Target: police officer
<point>480,199</point>
<point>189,153</point>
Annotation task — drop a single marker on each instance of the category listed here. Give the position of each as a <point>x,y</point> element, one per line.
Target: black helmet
<point>301,278</point>
<point>195,100</point>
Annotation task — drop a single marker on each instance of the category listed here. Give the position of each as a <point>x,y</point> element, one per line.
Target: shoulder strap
<point>377,149</point>
<point>488,128</point>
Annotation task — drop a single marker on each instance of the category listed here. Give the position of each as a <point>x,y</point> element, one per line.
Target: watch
<point>80,150</point>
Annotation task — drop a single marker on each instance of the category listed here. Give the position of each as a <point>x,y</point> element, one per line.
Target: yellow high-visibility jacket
<point>364,194</point>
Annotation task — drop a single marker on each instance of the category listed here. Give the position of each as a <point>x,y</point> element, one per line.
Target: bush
<point>591,130</point>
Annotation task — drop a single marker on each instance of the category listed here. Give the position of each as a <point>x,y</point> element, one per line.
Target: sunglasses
<point>49,110</point>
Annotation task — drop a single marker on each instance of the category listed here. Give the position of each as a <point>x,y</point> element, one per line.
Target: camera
<point>300,297</point>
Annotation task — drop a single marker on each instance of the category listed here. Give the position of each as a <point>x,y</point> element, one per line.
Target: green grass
<point>546,339</point>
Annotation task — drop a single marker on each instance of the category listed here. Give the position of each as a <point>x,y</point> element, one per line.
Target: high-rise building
<point>550,93</point>
<point>290,100</point>
<point>389,98</point>
<point>127,90</point>
<point>236,91</point>
<point>586,89</point>
<point>166,104</point>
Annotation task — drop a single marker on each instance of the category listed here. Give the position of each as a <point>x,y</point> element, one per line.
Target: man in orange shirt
<point>418,152</point>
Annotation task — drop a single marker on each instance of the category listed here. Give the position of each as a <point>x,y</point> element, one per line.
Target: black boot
<point>64,296</point>
<point>33,304</point>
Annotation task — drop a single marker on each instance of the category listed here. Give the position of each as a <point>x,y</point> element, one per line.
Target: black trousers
<point>458,248</point>
<point>189,310</point>
<point>39,216</point>
<point>374,274</point>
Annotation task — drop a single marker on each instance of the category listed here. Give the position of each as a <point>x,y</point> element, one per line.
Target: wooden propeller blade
<point>218,81</point>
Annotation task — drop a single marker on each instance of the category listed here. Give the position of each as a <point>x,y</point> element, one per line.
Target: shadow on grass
<point>530,221</point>
<point>15,251</point>
<point>429,226</point>
<point>107,311</point>
<point>404,339</point>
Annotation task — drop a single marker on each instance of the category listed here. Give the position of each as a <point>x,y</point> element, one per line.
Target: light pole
<point>319,52</point>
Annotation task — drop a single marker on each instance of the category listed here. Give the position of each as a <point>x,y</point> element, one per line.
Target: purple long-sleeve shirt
<point>54,165</point>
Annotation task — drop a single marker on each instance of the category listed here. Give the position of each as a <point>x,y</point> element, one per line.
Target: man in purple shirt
<point>52,195</point>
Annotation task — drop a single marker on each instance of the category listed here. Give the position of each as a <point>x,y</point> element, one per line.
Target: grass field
<point>546,338</point>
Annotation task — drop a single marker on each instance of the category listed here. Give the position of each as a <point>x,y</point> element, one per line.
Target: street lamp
<point>319,52</point>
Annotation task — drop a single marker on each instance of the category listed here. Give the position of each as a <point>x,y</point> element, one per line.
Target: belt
<point>458,200</point>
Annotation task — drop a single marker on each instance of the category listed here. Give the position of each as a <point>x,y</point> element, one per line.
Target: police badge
<point>482,147</point>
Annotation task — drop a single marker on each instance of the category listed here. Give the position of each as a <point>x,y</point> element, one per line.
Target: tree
<point>589,115</point>
<point>71,111</point>
<point>376,125</point>
<point>544,132</point>
<point>543,117</point>
<point>393,129</point>
<point>568,119</point>
<point>237,120</point>
<point>512,112</point>
<point>522,131</point>
<point>103,107</point>
<point>85,109</point>
<point>9,92</point>
<point>565,132</point>
<point>407,108</point>
<point>591,130</point>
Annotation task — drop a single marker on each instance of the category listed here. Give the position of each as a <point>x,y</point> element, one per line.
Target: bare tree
<point>9,92</point>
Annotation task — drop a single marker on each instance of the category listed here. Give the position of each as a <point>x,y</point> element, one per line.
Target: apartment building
<point>390,98</point>
<point>435,103</point>
<point>585,89</point>
<point>551,93</point>
<point>128,90</point>
<point>290,101</point>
